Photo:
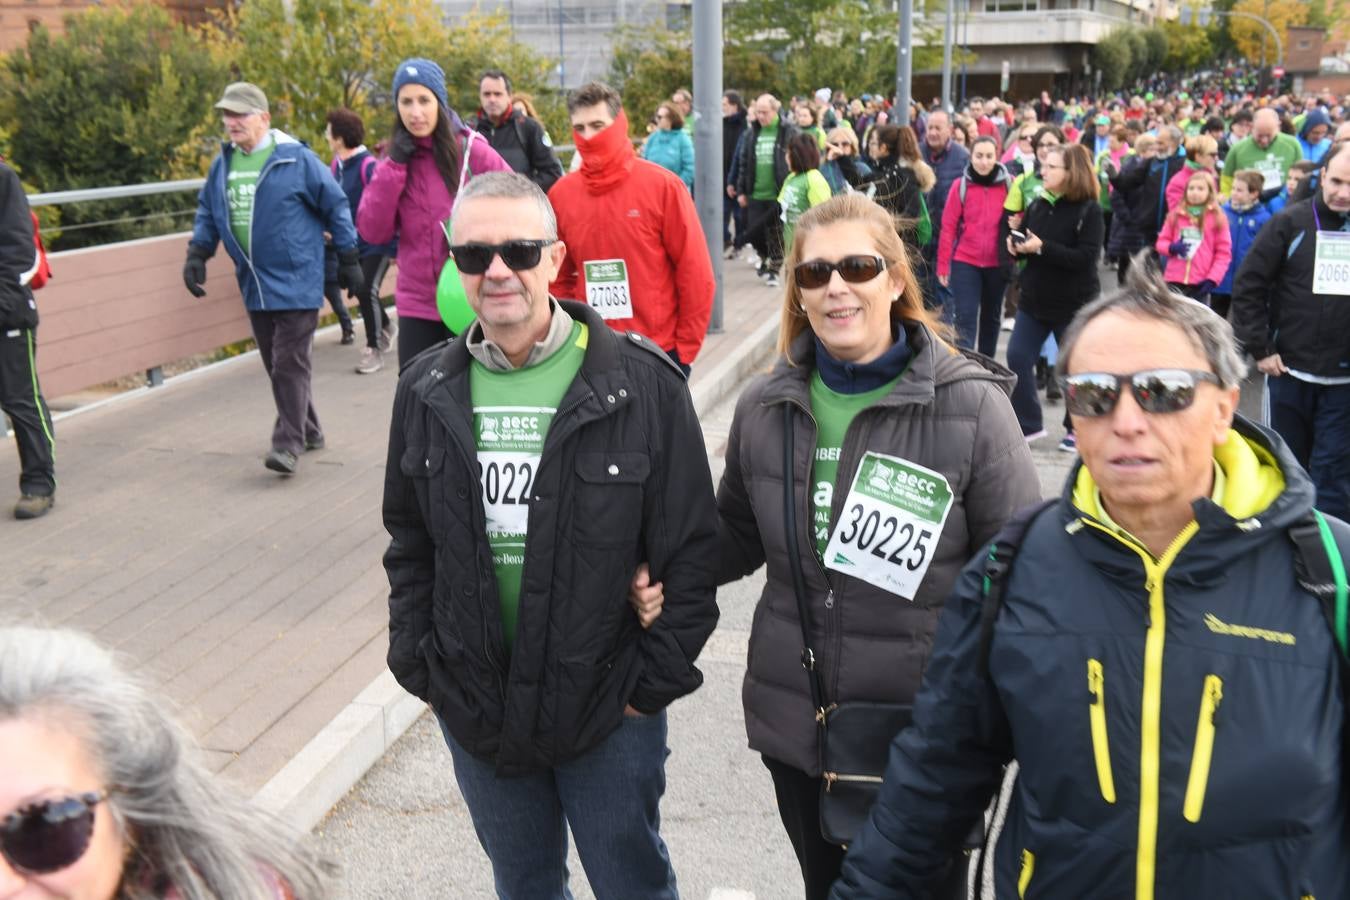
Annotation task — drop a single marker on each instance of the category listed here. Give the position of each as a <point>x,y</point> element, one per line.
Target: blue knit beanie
<point>423,72</point>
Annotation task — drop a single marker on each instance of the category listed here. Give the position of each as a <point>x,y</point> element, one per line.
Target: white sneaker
<point>372,360</point>
<point>753,260</point>
<point>387,335</point>
<point>1034,436</point>
<point>771,279</point>
<point>1008,324</point>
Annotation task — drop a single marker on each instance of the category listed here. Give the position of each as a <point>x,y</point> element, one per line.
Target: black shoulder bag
<point>855,737</point>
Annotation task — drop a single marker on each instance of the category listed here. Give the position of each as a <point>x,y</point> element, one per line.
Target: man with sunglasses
<point>635,249</point>
<point>1173,692</point>
<point>1291,309</point>
<point>532,463</point>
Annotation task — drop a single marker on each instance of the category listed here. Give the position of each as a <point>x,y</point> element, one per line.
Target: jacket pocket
<point>1024,876</point>
<point>422,461</point>
<point>589,705</point>
<point>1101,749</point>
<point>609,496</point>
<point>1204,748</point>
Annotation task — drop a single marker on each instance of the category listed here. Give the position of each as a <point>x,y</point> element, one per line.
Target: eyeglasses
<point>51,834</point>
<point>1045,166</point>
<point>474,259</point>
<point>853,269</point>
<point>1045,145</point>
<point>1094,394</point>
<point>1025,137</point>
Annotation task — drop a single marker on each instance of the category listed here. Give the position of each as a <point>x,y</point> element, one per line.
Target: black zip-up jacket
<point>733,126</point>
<point>1179,723</point>
<point>520,141</point>
<point>1274,307</point>
<point>1062,278</point>
<point>18,254</point>
<point>893,185</point>
<point>745,183</point>
<point>623,479</point>
<point>1148,187</point>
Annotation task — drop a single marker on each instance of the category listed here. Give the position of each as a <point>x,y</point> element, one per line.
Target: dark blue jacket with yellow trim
<point>1179,723</point>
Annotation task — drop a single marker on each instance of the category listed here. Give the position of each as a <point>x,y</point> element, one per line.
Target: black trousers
<point>764,230</point>
<point>416,335</point>
<point>372,313</point>
<point>798,797</point>
<point>285,340</point>
<point>21,399</point>
<point>338,303</point>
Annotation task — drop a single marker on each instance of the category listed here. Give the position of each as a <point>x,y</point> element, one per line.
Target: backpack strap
<point>997,567</point>
<point>1321,572</point>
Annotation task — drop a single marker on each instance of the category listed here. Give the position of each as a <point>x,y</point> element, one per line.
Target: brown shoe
<point>33,506</point>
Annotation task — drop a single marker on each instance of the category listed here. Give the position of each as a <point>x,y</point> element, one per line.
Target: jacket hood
<point>1316,116</point>
<point>933,363</point>
<point>997,175</point>
<point>1265,492</point>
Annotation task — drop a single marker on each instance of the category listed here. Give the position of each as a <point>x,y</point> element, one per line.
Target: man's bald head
<point>1265,125</point>
<point>766,109</point>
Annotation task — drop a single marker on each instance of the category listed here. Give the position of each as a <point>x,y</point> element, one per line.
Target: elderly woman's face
<point>1142,460</point>
<point>851,320</point>
<point>44,762</point>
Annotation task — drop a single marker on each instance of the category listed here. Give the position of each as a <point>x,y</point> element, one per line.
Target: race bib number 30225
<point>890,524</point>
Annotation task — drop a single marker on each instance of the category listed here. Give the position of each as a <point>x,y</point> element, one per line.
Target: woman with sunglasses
<point>1060,243</point>
<point>899,180</point>
<point>669,146</point>
<point>842,142</point>
<point>870,386</point>
<point>101,797</point>
<point>413,191</point>
<point>1158,661</point>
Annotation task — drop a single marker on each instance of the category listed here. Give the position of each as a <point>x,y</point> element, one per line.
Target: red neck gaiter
<point>607,158</point>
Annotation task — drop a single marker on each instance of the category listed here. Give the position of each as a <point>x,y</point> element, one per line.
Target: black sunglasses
<point>51,834</point>
<point>853,269</point>
<point>1094,394</point>
<point>474,259</point>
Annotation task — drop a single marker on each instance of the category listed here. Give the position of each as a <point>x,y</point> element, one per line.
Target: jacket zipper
<point>1028,869</point>
<point>1101,751</point>
<point>830,778</point>
<point>1150,720</point>
<point>1204,748</point>
<point>248,254</point>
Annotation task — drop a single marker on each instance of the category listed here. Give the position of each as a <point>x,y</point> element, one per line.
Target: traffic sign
<point>1277,72</point>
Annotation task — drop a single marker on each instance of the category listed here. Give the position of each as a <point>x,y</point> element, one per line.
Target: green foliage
<point>1112,56</point>
<point>1188,47</point>
<point>107,103</point>
<point>1156,46</point>
<point>649,64</point>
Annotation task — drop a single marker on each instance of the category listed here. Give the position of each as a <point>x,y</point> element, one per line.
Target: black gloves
<point>1178,249</point>
<point>194,270</point>
<point>401,147</point>
<point>350,277</point>
<point>1204,289</point>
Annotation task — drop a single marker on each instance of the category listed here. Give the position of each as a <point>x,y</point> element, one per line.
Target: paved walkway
<point>256,603</point>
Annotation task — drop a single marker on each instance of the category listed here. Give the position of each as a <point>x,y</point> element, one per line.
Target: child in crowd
<point>1196,241</point>
<point>1246,214</point>
<point>1297,172</point>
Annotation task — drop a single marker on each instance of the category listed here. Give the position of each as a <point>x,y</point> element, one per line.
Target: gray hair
<point>184,829</point>
<point>508,186</point>
<point>1146,295</point>
<point>1176,136</point>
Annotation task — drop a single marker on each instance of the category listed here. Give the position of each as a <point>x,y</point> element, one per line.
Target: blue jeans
<point>1024,347</point>
<point>609,796</point>
<point>935,296</point>
<point>1314,420</point>
<point>977,305</point>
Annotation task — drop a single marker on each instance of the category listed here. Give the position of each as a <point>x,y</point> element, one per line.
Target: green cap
<point>243,98</point>
<point>1103,120</point>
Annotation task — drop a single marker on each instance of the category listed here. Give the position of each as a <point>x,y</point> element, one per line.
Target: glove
<point>1204,289</point>
<point>350,277</point>
<point>401,147</point>
<point>194,270</point>
<point>1178,249</point>
<point>1109,168</point>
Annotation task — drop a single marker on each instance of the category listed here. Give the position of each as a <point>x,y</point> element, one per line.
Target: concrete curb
<point>339,756</point>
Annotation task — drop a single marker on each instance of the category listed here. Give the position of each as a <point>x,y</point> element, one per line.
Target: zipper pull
<point>829,778</point>
<point>829,599</point>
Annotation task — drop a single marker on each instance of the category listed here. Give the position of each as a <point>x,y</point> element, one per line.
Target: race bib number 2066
<point>889,527</point>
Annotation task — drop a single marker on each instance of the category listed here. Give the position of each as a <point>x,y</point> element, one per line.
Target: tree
<point>107,103</point>
<point>1156,45</point>
<point>649,65</point>
<point>1247,34</point>
<point>1188,47</point>
<point>1112,57</point>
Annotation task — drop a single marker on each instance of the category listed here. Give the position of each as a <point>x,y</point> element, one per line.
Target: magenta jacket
<point>977,220</point>
<point>1176,188</point>
<point>410,202</point>
<point>1211,259</point>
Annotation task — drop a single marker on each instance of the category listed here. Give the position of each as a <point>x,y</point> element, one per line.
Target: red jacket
<point>978,220</point>
<point>646,218</point>
<point>1211,258</point>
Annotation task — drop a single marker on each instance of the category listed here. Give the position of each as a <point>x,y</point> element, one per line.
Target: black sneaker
<point>282,461</point>
<point>1052,390</point>
<point>33,506</point>
<point>314,443</point>
<point>348,337</point>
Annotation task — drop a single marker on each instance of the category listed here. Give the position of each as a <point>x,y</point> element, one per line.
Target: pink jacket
<point>410,202</point>
<point>978,221</point>
<point>1211,259</point>
<point>1176,188</point>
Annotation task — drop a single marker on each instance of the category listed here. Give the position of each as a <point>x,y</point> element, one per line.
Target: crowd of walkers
<point>920,644</point>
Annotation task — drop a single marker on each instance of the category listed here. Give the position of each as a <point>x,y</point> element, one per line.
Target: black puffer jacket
<point>17,254</point>
<point>949,413</point>
<point>1147,186</point>
<point>1127,237</point>
<point>895,186</point>
<point>1179,723</point>
<point>624,478</point>
<point>521,142</point>
<point>1062,278</point>
<point>745,181</point>
<point>1274,307</point>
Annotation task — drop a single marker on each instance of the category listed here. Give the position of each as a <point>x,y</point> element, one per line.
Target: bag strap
<point>997,566</point>
<point>1321,572</point>
<point>465,173</point>
<point>808,657</point>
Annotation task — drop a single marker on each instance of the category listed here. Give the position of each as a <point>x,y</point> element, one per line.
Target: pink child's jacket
<point>1212,257</point>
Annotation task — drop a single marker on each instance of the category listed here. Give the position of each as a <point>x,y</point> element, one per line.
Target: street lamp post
<point>903,62</point>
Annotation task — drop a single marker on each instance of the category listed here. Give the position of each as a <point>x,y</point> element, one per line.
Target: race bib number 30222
<point>890,524</point>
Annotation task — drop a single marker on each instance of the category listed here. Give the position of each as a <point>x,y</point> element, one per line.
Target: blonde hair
<point>1200,143</point>
<point>847,135</point>
<point>853,207</point>
<point>1211,205</point>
